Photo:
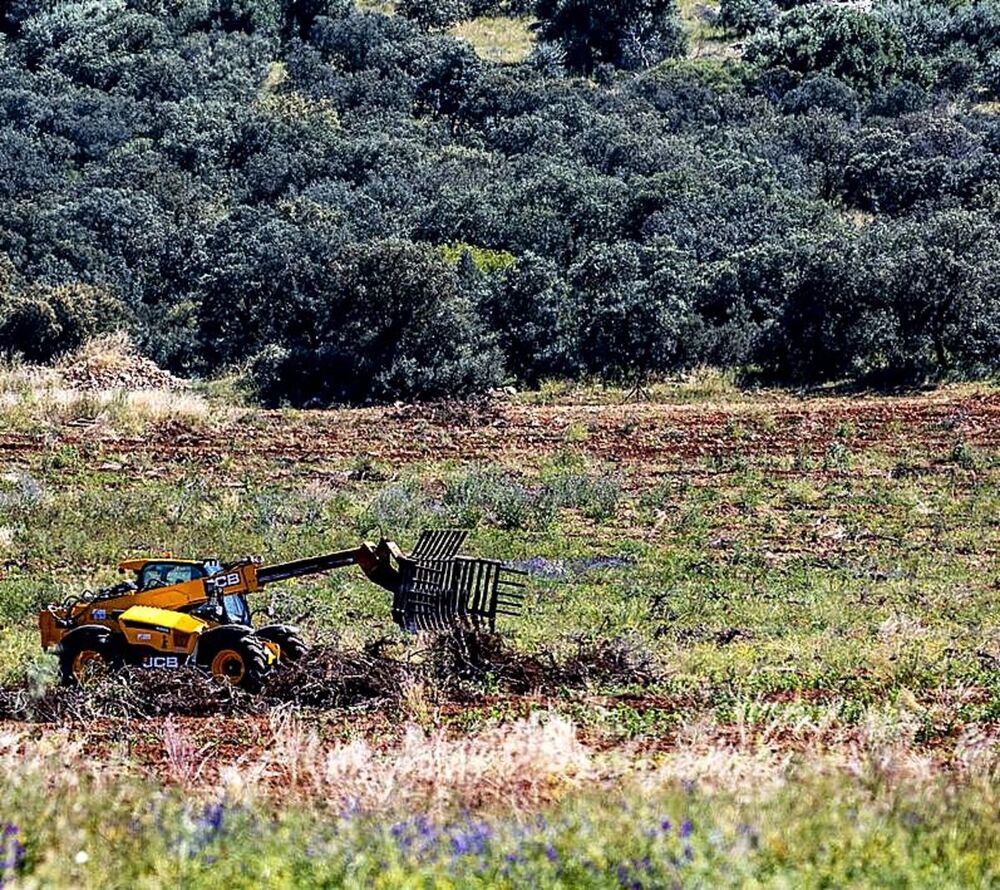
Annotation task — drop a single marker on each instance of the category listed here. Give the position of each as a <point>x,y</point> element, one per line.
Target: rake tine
<point>440,588</point>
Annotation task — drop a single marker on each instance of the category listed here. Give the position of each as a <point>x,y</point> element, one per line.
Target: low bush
<point>41,322</point>
<point>496,497</point>
<point>744,17</point>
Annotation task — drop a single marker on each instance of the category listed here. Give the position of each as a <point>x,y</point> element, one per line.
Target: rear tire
<point>239,660</point>
<point>292,646</point>
<point>85,652</point>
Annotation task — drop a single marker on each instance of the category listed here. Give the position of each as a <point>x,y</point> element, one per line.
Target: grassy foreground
<point>81,830</point>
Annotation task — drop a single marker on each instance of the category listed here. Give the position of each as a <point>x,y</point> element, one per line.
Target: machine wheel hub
<point>228,664</point>
<point>86,662</point>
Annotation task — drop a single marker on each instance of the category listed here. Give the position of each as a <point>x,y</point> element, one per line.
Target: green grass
<point>705,39</point>
<point>386,7</point>
<point>821,833</point>
<point>497,38</point>
<point>700,386</point>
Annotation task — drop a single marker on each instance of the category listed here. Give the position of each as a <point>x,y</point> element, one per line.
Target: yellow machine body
<point>172,598</point>
<point>161,629</point>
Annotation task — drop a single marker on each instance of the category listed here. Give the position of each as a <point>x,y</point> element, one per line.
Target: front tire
<point>239,660</point>
<point>85,652</point>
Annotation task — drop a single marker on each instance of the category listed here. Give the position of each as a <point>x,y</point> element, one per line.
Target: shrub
<point>853,46</point>
<point>42,322</point>
<point>899,99</point>
<point>747,16</point>
<point>433,15</point>
<point>497,497</point>
<point>394,507</point>
<point>596,497</point>
<point>823,92</point>
<point>991,75</point>
<point>529,307</point>
<point>548,59</point>
<point>629,34</point>
<point>503,499</point>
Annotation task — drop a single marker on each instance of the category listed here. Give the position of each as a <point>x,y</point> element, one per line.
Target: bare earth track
<point>660,438</point>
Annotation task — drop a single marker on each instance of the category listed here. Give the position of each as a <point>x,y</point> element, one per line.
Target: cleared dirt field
<point>649,438</point>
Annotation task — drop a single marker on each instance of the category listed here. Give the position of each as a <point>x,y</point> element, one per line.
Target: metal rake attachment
<point>440,589</point>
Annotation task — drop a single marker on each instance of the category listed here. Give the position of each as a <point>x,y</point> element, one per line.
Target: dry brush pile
<point>456,667</point>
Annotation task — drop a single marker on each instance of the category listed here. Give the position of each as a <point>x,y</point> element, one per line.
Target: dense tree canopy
<point>357,207</point>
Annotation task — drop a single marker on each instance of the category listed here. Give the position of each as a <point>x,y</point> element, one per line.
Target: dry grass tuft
<point>105,385</point>
<point>518,765</point>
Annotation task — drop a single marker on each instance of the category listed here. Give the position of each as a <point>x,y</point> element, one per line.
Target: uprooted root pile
<point>112,362</point>
<point>460,666</point>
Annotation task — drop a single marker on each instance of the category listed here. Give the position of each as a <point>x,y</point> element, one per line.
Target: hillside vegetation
<point>357,206</point>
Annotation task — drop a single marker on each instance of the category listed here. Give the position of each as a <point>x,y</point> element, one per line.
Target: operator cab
<point>236,609</point>
<point>153,573</point>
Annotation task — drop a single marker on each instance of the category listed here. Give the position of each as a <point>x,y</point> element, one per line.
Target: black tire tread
<point>254,658</point>
<point>96,638</point>
<point>293,647</point>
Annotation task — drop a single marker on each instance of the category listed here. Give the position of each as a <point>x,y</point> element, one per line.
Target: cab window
<point>165,574</point>
<point>237,610</point>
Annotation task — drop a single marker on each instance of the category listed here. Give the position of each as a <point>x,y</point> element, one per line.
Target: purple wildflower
<point>472,842</point>
<point>686,828</point>
<point>402,835</point>
<point>13,851</point>
<point>509,861</point>
<point>211,818</point>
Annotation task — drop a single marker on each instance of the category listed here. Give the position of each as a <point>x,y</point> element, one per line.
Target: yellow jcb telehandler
<point>176,612</point>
